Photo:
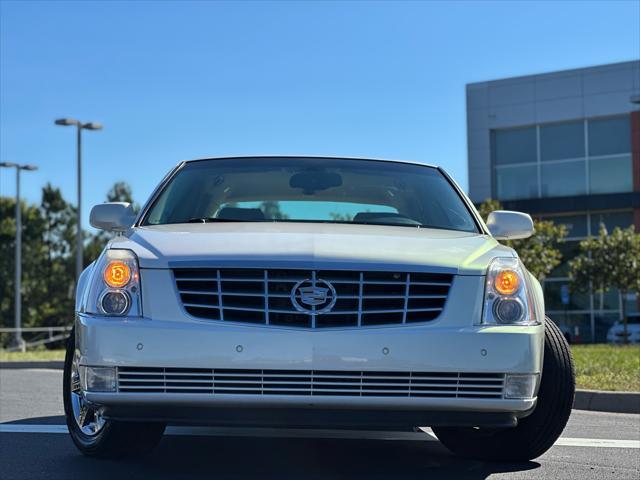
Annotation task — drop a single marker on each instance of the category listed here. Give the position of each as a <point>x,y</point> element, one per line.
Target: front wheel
<point>536,433</point>
<point>90,431</point>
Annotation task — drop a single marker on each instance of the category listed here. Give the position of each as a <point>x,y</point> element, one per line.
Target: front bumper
<point>333,418</point>
<point>434,347</point>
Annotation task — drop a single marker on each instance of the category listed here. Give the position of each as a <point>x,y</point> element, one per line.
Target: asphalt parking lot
<point>34,445</point>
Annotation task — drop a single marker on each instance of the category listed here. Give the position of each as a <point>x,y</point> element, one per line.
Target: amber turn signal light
<point>507,282</point>
<point>117,274</point>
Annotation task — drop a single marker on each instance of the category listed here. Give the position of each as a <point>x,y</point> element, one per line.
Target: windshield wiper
<point>215,219</point>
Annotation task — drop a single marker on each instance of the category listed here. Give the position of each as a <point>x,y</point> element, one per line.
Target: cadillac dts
<point>307,292</point>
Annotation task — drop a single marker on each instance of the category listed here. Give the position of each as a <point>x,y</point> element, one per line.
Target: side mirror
<point>507,225</point>
<point>112,216</point>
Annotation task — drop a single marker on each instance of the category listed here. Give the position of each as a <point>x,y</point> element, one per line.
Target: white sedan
<point>306,292</point>
<point>616,333</point>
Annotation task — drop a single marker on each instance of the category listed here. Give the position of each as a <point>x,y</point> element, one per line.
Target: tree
<point>539,253</point>
<point>56,300</point>
<point>341,217</point>
<point>608,261</point>
<point>34,282</point>
<point>60,222</point>
<point>121,192</point>
<point>272,210</point>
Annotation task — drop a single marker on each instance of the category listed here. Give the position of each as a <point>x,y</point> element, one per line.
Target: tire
<point>536,433</point>
<point>111,439</point>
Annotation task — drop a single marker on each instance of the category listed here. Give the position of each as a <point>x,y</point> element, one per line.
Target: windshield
<point>311,190</point>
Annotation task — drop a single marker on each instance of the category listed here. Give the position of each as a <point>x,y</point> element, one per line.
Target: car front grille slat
<point>311,382</point>
<point>260,296</point>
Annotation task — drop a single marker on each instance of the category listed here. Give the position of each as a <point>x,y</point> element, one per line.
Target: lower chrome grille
<point>280,296</point>
<point>310,382</point>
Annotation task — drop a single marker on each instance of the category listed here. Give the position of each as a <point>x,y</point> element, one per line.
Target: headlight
<point>115,286</point>
<point>117,274</point>
<point>114,302</point>
<point>507,282</point>
<point>508,310</point>
<point>507,298</point>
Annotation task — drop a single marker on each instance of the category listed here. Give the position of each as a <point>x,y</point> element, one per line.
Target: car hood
<point>311,246</point>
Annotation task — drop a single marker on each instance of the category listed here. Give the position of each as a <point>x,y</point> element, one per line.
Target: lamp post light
<point>67,122</point>
<point>19,342</point>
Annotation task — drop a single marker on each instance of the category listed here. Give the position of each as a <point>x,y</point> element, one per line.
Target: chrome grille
<point>310,382</point>
<point>264,296</point>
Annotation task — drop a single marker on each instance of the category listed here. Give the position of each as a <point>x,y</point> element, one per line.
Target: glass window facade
<point>610,220</point>
<point>515,154</point>
<point>602,323</point>
<point>515,145</point>
<point>574,300</point>
<point>575,326</point>
<point>563,179</point>
<point>577,225</point>
<point>591,156</point>
<point>610,174</point>
<point>559,141</point>
<point>517,182</point>
<point>609,136</point>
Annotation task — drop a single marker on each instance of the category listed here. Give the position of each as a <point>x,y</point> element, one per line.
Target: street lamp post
<point>66,122</point>
<point>19,342</point>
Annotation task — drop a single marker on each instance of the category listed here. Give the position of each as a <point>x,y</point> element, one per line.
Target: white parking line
<point>426,435</point>
<point>29,428</point>
<point>597,443</point>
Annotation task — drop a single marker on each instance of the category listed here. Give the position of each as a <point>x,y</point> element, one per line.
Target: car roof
<point>312,157</point>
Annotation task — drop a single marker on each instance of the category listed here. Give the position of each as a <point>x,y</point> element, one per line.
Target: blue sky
<point>179,80</point>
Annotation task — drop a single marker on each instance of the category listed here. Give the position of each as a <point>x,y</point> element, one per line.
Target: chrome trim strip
<point>313,315</point>
<point>220,304</point>
<point>313,307</point>
<point>318,265</point>
<point>266,296</point>
<point>360,295</point>
<point>407,286</point>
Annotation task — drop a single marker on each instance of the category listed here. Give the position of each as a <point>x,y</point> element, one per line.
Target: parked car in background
<point>314,292</point>
<point>615,334</point>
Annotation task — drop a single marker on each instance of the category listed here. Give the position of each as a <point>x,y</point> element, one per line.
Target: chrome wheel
<point>88,417</point>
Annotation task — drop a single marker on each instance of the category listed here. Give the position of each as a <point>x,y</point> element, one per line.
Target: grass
<point>598,367</point>
<point>607,367</point>
<point>33,355</point>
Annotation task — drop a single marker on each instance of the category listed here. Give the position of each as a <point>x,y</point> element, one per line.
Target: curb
<point>48,364</point>
<point>614,402</point>
<point>594,400</point>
